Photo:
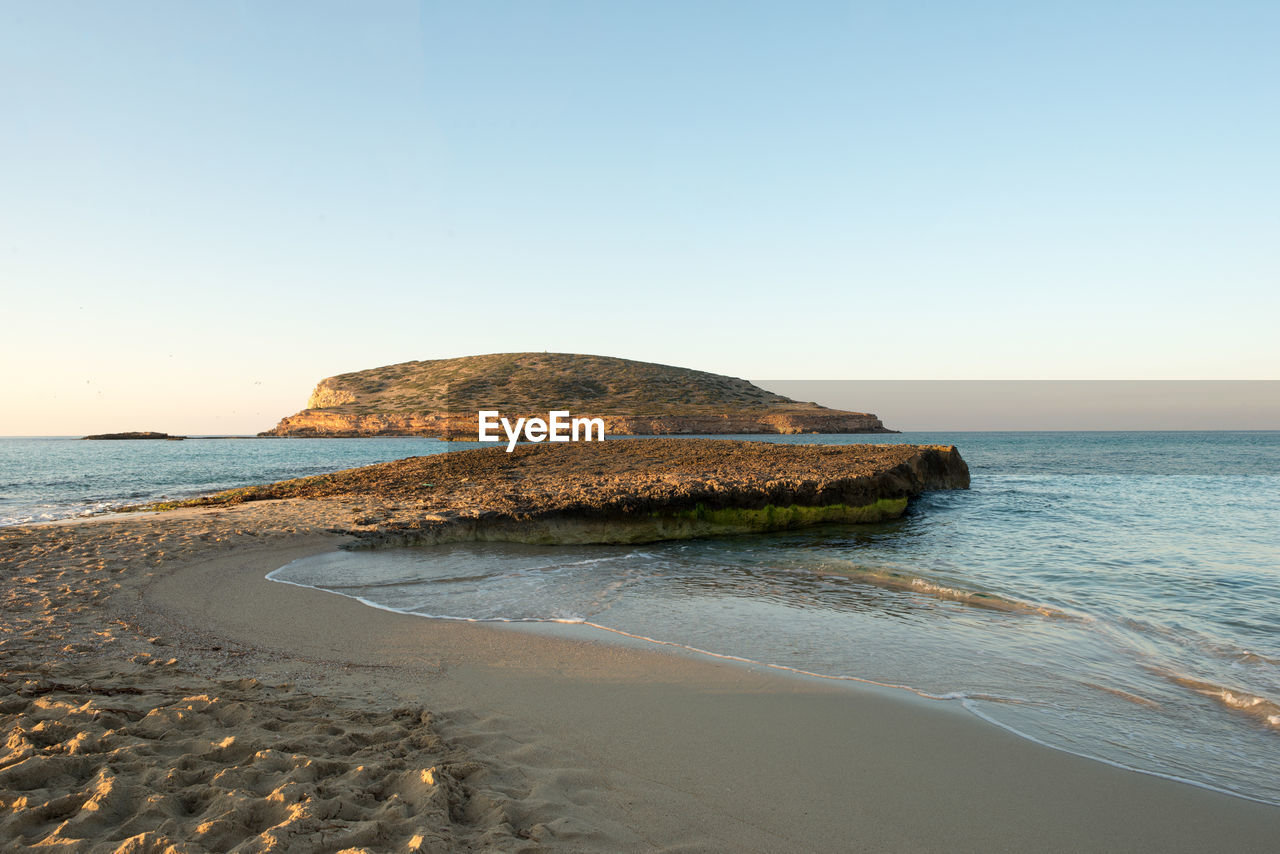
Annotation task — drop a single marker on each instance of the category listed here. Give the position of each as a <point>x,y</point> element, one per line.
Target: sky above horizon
<point>207,207</point>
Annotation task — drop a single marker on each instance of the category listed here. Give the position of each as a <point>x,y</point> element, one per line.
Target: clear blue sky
<point>206,207</point>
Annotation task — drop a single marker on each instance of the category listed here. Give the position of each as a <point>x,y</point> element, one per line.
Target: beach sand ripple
<point>110,743</point>
<point>250,768</point>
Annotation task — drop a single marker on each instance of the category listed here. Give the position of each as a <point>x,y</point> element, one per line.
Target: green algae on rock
<point>773,518</point>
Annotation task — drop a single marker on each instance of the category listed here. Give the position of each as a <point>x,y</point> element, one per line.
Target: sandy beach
<point>160,695</point>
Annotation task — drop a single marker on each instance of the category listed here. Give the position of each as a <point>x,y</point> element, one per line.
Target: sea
<point>58,477</point>
<point>1113,595</point>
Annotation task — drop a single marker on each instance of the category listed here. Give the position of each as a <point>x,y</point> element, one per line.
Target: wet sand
<point>159,692</point>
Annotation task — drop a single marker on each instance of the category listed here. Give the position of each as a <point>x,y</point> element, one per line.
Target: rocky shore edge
<point>625,491</point>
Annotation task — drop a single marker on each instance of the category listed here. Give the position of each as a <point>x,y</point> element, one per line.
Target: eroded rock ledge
<point>634,490</point>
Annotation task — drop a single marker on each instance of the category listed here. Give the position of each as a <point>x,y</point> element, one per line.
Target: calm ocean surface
<point>1116,595</point>
<point>45,478</point>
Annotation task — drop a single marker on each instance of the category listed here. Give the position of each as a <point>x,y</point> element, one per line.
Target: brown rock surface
<point>626,480</point>
<point>441,398</point>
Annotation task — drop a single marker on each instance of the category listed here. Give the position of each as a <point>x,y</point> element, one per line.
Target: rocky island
<point>147,434</point>
<point>626,491</point>
<point>441,397</point>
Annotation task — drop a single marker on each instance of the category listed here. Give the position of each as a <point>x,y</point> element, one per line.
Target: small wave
<point>1261,709</point>
<point>40,514</point>
<point>591,560</point>
<point>1187,637</point>
<point>408,581</point>
<point>1123,695</point>
<point>916,584</point>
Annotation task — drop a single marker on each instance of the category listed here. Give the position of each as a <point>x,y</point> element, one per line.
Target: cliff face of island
<point>629,491</point>
<point>440,398</point>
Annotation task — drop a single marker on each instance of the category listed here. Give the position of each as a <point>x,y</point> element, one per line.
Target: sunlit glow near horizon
<point>208,207</point>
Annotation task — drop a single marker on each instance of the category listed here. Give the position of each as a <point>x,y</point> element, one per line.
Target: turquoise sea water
<point>1116,595</point>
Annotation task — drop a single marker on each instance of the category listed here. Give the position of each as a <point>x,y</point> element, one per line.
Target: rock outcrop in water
<point>136,435</point>
<point>440,398</point>
<point>635,490</point>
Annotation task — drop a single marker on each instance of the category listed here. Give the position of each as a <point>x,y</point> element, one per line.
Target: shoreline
<point>580,744</point>
<point>660,679</point>
<point>586,631</point>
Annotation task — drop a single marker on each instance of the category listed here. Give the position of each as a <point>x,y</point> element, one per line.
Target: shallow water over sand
<point>1115,595</point>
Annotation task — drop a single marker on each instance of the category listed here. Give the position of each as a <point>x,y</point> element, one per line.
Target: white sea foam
<point>1261,709</point>
<point>895,580</point>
